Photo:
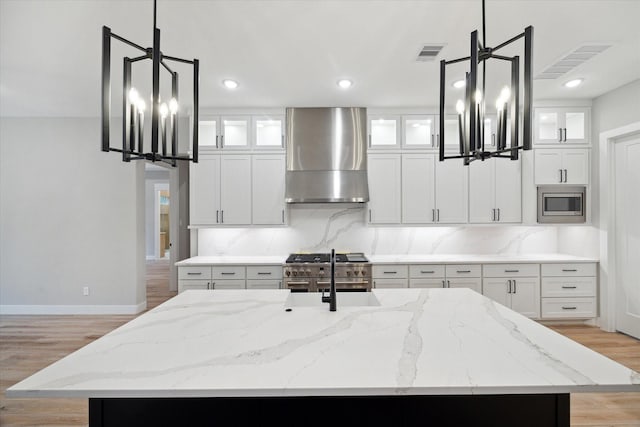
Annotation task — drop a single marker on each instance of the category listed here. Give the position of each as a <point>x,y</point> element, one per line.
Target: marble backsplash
<point>318,228</point>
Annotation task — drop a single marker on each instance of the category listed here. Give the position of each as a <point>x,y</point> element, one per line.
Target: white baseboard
<point>72,309</point>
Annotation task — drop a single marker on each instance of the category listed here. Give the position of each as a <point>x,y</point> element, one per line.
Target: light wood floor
<point>29,343</point>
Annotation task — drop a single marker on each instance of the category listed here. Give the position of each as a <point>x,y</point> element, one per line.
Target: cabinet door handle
<point>433,215</point>
<point>568,270</point>
<point>282,141</point>
<point>221,141</point>
<point>283,216</point>
<point>512,271</point>
<point>217,217</point>
<point>493,139</point>
<point>565,134</point>
<point>432,140</point>
<point>560,174</point>
<point>569,287</point>
<point>508,286</point>
<point>369,140</point>
<point>217,137</point>
<point>213,285</point>
<point>515,287</point>
<point>569,308</point>
<point>390,272</point>
<point>438,215</point>
<point>437,140</point>
<point>222,217</point>
<point>448,284</point>
<point>463,271</point>
<point>498,214</point>
<point>266,273</point>
<point>565,175</point>
<point>493,217</point>
<point>194,274</point>
<point>369,215</point>
<point>559,134</point>
<point>226,273</point>
<point>444,283</point>
<point>427,271</point>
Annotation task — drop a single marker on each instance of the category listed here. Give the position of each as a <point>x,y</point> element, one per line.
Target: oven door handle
<point>297,283</point>
<point>360,282</point>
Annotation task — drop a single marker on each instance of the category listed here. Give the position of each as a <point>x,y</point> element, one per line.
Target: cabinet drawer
<point>563,308</point>
<point>511,270</point>
<point>473,284</point>
<point>228,272</point>
<point>260,272</point>
<point>463,270</point>
<point>185,285</point>
<point>264,284</point>
<point>426,283</point>
<point>391,271</point>
<point>426,271</point>
<point>228,284</point>
<point>569,269</point>
<point>569,287</point>
<point>390,283</point>
<point>195,272</point>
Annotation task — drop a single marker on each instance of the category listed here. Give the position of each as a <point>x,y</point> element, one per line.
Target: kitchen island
<point>257,357</point>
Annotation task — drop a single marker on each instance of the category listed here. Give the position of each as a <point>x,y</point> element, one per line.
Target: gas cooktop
<point>326,258</point>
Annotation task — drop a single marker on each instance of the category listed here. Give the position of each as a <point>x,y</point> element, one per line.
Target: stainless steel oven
<point>559,204</point>
<point>312,273</point>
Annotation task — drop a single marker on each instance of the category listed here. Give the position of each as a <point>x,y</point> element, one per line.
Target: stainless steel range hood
<point>326,155</point>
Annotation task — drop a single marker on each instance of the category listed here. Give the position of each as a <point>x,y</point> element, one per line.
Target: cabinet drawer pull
<point>463,271</point>
<point>569,308</point>
<point>569,270</point>
<point>390,272</point>
<point>569,287</point>
<point>427,271</point>
<point>266,273</point>
<point>512,271</point>
<point>224,273</point>
<point>194,274</point>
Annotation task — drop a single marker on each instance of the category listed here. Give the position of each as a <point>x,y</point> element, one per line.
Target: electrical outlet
<point>85,291</point>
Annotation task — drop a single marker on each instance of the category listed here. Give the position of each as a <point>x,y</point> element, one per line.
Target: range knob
<point>288,273</point>
<point>295,273</point>
<point>348,273</point>
<point>321,272</point>
<point>362,272</point>
<point>308,272</point>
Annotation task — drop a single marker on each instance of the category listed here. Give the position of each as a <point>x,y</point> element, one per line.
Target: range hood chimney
<point>326,155</point>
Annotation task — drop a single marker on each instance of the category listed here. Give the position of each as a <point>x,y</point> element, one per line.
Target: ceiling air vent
<point>428,52</point>
<point>571,60</point>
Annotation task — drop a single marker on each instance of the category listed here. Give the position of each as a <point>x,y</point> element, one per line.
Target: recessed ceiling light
<point>573,83</point>
<point>459,84</point>
<point>230,84</point>
<point>345,83</point>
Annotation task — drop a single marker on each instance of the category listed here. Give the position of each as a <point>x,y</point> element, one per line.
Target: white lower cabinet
<point>445,276</point>
<point>228,277</point>
<point>569,291</point>
<point>516,286</point>
<point>220,276</point>
<point>264,277</point>
<point>390,276</point>
<point>194,277</point>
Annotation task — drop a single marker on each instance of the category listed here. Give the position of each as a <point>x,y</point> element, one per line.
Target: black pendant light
<point>471,111</point>
<point>164,115</point>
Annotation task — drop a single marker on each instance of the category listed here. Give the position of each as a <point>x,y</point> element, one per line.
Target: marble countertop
<point>244,343</point>
<point>233,259</point>
<point>395,259</point>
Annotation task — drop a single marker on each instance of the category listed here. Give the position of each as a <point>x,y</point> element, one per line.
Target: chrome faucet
<point>331,299</point>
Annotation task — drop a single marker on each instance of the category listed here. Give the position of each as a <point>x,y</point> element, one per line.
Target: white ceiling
<point>291,53</point>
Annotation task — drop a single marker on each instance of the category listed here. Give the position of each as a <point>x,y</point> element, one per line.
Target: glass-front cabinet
<point>419,131</point>
<point>384,131</point>
<point>566,125</point>
<point>268,132</point>
<point>224,132</point>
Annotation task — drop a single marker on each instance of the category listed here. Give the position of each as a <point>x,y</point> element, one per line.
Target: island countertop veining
<point>244,343</point>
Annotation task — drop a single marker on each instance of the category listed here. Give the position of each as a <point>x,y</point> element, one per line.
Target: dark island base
<point>522,410</point>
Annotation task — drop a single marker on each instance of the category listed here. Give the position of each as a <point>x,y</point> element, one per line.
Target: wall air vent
<point>571,60</point>
<point>428,52</point>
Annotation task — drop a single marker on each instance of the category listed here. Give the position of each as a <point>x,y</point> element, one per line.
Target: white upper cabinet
<point>268,132</point>
<point>561,166</point>
<point>268,175</point>
<point>451,191</point>
<point>204,190</point>
<point>451,133</point>
<point>384,131</point>
<point>384,188</point>
<point>235,190</point>
<point>419,131</point>
<point>566,125</point>
<point>495,191</point>
<point>418,189</point>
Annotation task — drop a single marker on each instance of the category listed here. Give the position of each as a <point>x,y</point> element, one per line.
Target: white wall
<point>343,227</point>
<point>70,216</point>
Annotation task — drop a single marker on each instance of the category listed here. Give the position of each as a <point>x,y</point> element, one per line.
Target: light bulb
<point>164,110</point>
<point>505,93</point>
<point>141,105</point>
<point>133,96</point>
<point>460,106</point>
<point>173,105</point>
<point>478,96</point>
<point>499,104</point>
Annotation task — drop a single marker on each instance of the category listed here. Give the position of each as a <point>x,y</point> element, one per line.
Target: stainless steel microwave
<point>559,204</point>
